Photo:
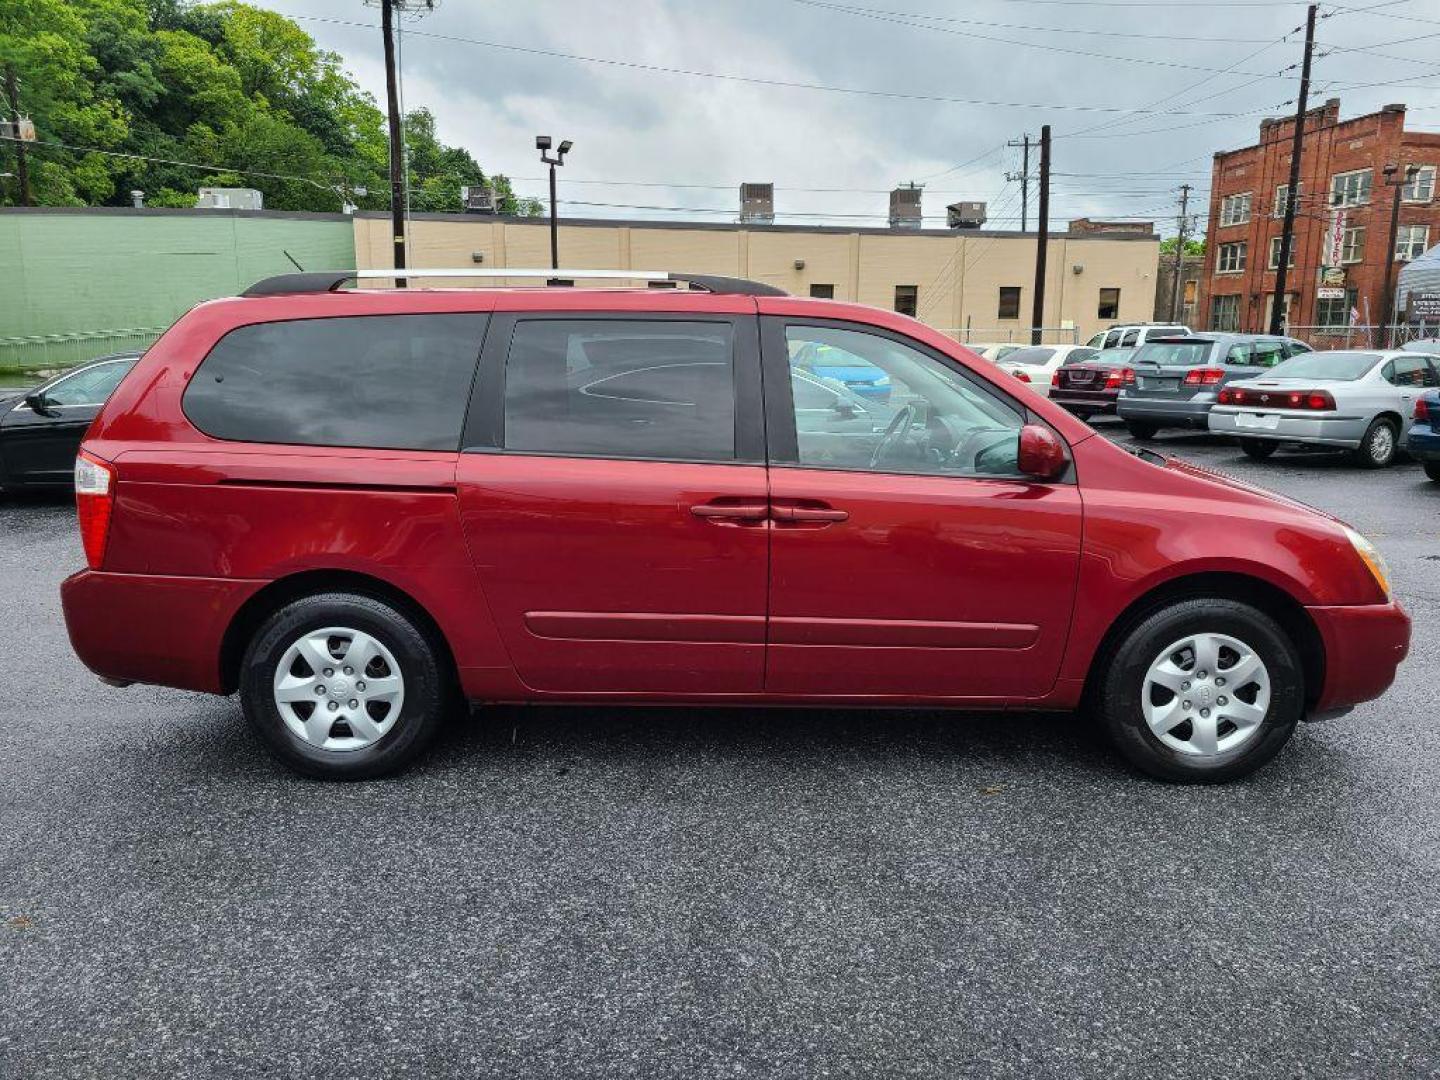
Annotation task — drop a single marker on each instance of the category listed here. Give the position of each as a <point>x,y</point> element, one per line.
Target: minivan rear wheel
<point>343,687</point>
<point>1203,691</point>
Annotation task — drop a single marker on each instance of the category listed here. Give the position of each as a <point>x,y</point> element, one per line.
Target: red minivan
<point>362,507</point>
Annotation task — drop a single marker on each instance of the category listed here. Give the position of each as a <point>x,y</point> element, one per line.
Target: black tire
<point>1259,449</point>
<point>1432,470</point>
<point>1377,448</point>
<point>1141,430</point>
<point>429,689</point>
<point>1120,706</point>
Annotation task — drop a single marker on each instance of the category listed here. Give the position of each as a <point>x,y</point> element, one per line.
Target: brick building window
<point>823,292</point>
<point>1274,262</point>
<point>1411,242</point>
<point>1352,249</point>
<point>1421,187</point>
<point>1336,312</point>
<point>1109,304</point>
<point>1009,302</point>
<point>1225,313</point>
<point>1350,188</point>
<point>1282,196</point>
<point>1235,209</point>
<point>1230,258</point>
<point>907,299</point>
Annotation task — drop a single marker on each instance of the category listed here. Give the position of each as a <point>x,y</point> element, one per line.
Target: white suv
<point>1135,334</point>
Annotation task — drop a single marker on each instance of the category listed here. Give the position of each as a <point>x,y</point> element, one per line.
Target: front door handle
<point>722,512</point>
<point>808,513</point>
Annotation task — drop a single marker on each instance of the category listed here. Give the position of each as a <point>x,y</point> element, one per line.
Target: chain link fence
<point>1364,336</point>
<point>44,354</point>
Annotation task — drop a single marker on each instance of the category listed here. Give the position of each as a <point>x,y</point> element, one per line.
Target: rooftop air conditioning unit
<point>965,215</point>
<point>757,204</point>
<point>479,199</point>
<point>230,198</point>
<point>905,207</point>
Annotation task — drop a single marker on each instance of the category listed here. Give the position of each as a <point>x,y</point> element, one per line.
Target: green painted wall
<point>78,283</point>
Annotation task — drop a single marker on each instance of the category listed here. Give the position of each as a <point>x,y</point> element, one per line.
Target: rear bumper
<point>152,629</point>
<point>1346,431</point>
<point>1364,645</point>
<point>1190,413</point>
<point>1084,402</point>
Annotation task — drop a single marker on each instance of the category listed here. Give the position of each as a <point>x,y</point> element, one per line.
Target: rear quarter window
<point>385,381</point>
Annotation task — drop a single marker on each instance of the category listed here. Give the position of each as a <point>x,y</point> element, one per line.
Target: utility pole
<point>1180,251</point>
<point>1387,297</point>
<point>397,144</point>
<point>1024,178</point>
<point>22,166</point>
<point>1287,232</point>
<point>1042,238</point>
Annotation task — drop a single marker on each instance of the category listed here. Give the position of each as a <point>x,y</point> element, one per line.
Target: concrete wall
<point>959,274</point>
<point>80,282</point>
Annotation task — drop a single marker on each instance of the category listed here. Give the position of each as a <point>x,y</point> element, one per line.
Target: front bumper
<point>1346,431</point>
<point>150,628</point>
<point>1364,645</point>
<point>1193,412</point>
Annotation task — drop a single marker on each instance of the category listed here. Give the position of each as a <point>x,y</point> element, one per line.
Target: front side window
<point>907,299</point>
<point>621,388</point>
<point>1421,185</point>
<point>1411,242</point>
<point>89,387</point>
<point>1009,302</point>
<point>386,381</point>
<point>1410,372</point>
<point>935,421</point>
<point>1352,249</point>
<point>1225,313</point>
<point>1230,259</point>
<point>1350,188</point>
<point>1235,209</point>
<point>1109,307</point>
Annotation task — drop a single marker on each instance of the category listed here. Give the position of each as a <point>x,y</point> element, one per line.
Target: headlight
<point>1372,558</point>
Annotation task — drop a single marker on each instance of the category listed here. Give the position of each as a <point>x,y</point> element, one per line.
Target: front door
<point>909,559</point>
<point>614,499</point>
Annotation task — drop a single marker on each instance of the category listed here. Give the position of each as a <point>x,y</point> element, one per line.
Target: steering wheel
<point>894,432</point>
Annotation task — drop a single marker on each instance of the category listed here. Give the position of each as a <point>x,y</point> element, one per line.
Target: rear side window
<point>387,381</point>
<point>1268,353</point>
<point>621,388</point>
<point>1130,338</point>
<point>1241,354</point>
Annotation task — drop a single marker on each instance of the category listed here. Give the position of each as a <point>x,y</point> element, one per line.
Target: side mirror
<point>40,405</point>
<point>1042,454</point>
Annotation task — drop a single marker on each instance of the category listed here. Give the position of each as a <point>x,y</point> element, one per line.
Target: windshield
<point>1340,366</point>
<point>1180,353</point>
<point>1110,357</point>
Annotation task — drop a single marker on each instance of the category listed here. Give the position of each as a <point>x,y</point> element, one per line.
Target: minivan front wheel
<point>1205,690</point>
<point>344,687</point>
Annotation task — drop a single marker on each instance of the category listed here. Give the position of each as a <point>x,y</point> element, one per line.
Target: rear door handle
<point>715,511</point>
<point>808,513</point>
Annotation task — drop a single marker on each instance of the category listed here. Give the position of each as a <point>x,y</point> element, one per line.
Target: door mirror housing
<point>1042,453</point>
<point>40,405</point>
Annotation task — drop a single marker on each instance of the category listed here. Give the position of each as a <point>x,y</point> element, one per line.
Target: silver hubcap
<point>339,689</point>
<point>1206,694</point>
<point>1382,443</point>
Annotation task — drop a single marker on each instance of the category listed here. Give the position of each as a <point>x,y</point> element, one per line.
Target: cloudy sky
<point>1138,93</point>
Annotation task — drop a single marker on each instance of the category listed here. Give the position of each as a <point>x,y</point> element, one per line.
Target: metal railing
<point>41,353</point>
<point>1364,335</point>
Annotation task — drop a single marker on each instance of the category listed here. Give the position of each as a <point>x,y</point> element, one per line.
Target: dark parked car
<point>1093,386</point>
<point>1177,379</point>
<point>1423,441</point>
<point>40,431</point>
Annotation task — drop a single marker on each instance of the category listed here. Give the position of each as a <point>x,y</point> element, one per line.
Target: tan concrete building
<point>957,280</point>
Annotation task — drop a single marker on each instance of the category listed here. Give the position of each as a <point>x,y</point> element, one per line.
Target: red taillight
<point>1422,410</point>
<point>1055,379</point>
<point>94,493</point>
<point>1314,400</point>
<point>1204,376</point>
<point>1021,376</point>
<point>1120,377</point>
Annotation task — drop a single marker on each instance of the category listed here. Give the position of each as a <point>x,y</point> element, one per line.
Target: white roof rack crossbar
<point>331,280</point>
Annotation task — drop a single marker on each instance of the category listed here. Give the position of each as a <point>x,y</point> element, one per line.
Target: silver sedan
<point>1358,400</point>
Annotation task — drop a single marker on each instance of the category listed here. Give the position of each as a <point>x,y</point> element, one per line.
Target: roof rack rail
<point>331,280</point>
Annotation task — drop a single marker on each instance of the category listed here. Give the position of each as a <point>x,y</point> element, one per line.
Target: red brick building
<point>1341,167</point>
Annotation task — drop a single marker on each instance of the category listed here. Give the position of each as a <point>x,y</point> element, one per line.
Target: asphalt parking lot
<point>662,892</point>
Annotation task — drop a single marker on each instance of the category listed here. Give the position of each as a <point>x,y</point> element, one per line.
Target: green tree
<point>1192,247</point>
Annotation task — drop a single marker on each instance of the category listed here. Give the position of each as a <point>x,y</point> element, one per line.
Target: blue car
<point>850,371</point>
<point>1423,442</point>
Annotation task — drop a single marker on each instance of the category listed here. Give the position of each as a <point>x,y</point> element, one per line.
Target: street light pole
<point>1387,297</point>
<point>542,143</point>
